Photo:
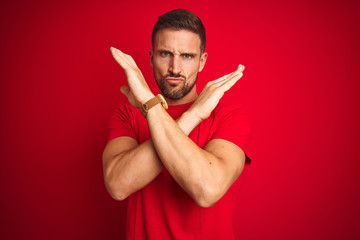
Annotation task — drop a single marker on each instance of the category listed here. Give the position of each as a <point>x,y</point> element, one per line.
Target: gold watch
<point>144,108</point>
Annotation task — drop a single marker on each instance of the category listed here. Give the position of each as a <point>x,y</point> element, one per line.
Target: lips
<point>174,80</point>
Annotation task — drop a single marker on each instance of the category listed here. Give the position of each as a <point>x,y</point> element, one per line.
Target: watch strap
<point>144,108</point>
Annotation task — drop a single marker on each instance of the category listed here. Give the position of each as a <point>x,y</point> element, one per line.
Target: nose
<point>175,65</point>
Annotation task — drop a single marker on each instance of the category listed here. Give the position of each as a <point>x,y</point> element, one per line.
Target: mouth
<point>172,80</point>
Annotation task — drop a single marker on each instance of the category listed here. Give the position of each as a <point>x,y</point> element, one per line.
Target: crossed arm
<point>205,174</point>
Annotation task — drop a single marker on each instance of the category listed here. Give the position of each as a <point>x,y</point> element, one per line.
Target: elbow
<point>116,190</point>
<point>205,203</point>
<point>117,186</point>
<point>118,196</point>
<point>207,198</point>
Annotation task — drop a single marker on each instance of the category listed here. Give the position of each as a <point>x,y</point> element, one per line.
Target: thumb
<point>124,90</point>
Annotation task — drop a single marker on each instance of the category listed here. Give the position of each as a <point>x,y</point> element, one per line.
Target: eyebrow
<point>181,53</point>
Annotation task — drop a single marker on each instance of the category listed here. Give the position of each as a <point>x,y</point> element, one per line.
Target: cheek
<point>191,69</point>
<point>160,66</point>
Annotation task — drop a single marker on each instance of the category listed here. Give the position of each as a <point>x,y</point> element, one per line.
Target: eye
<point>165,54</point>
<point>188,56</point>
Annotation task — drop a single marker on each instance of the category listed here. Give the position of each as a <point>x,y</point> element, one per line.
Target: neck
<point>191,96</point>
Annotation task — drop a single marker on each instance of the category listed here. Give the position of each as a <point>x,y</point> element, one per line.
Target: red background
<point>59,86</point>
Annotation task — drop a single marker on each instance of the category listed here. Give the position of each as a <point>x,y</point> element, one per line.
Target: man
<point>177,167</point>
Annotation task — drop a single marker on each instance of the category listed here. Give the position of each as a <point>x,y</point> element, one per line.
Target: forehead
<point>177,40</point>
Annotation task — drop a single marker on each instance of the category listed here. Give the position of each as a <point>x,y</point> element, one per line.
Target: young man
<point>178,166</point>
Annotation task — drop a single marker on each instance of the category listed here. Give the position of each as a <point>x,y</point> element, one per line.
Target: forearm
<point>127,171</point>
<point>193,168</point>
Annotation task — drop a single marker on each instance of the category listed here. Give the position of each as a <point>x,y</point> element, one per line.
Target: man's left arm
<point>205,174</point>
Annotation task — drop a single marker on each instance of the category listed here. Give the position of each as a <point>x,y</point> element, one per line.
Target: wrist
<point>193,114</point>
<point>148,96</point>
<point>188,121</point>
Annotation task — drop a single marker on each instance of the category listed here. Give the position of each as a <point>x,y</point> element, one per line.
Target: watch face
<point>163,101</point>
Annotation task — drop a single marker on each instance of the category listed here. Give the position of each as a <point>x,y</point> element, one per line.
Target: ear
<point>151,56</point>
<point>203,58</point>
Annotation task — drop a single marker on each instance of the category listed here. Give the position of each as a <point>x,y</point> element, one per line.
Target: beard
<point>175,91</point>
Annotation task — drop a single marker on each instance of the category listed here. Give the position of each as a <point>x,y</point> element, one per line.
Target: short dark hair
<point>180,19</point>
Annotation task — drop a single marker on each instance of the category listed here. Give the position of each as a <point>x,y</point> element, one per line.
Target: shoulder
<point>126,120</point>
<point>232,123</point>
<point>124,116</point>
<point>227,112</point>
<point>125,111</point>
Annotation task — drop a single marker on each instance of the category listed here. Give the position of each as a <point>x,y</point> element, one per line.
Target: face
<point>177,60</point>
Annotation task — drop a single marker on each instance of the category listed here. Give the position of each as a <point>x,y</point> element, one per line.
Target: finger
<point>222,78</point>
<point>120,56</point>
<point>226,85</point>
<point>230,81</point>
<point>238,71</point>
<point>235,75</point>
<point>131,60</point>
<point>116,53</point>
<point>241,67</point>
<point>124,60</point>
<point>226,77</point>
<point>128,58</point>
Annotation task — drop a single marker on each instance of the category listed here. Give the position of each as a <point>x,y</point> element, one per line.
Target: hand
<point>138,91</point>
<point>213,91</point>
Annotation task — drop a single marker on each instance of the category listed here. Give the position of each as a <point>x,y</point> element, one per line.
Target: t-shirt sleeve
<point>233,125</point>
<point>121,123</point>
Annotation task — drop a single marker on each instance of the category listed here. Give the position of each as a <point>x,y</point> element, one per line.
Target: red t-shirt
<point>162,209</point>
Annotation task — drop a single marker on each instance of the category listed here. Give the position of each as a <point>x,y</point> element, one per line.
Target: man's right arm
<point>128,166</point>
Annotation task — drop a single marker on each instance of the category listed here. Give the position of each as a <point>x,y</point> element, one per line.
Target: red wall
<point>59,86</point>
